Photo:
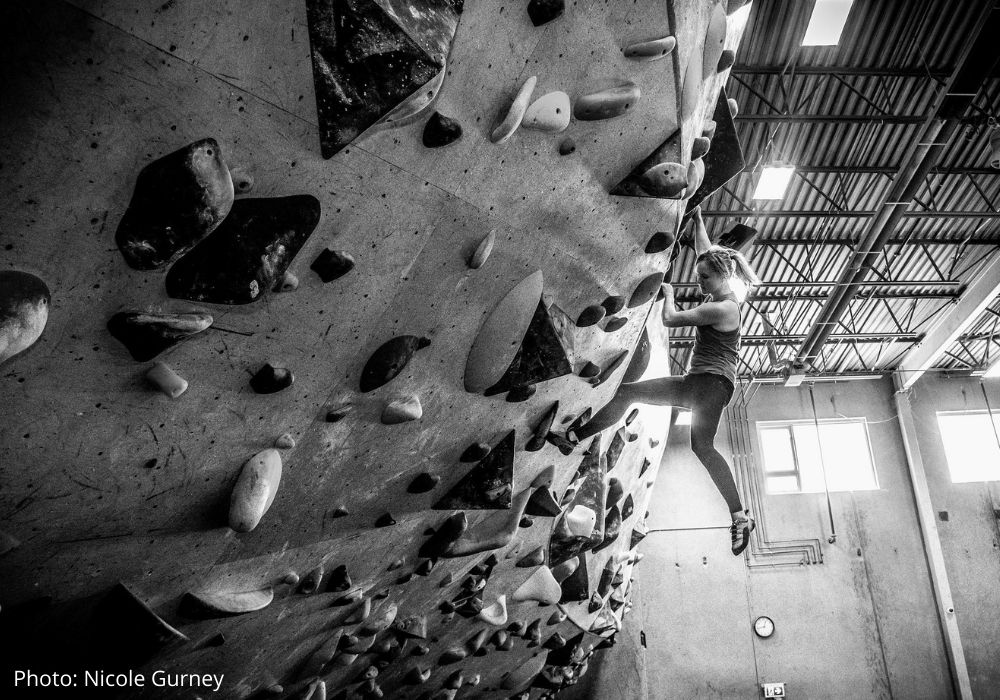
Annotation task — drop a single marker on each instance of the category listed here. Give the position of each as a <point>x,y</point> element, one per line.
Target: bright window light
<point>794,463</point>
<point>773,182</point>
<point>994,371</point>
<point>683,418</point>
<point>827,22</point>
<point>970,445</point>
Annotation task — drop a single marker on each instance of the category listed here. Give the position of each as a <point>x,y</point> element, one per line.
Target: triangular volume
<point>488,486</point>
<point>615,449</point>
<point>591,492</point>
<point>540,357</point>
<point>364,64</point>
<point>577,587</point>
<point>667,152</point>
<point>725,159</point>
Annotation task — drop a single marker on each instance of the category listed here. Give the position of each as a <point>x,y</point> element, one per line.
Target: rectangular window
<point>791,452</point>
<point>970,445</point>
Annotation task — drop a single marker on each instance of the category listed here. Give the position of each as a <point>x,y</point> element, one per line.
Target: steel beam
<point>844,214</point>
<point>752,340</point>
<point>879,170</point>
<point>775,296</point>
<point>919,239</point>
<point>828,283</point>
<point>899,72</point>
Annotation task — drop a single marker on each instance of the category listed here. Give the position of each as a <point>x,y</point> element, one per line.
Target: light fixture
<point>773,181</point>
<point>827,22</point>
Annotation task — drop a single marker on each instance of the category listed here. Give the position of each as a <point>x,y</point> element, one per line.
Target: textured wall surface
<point>104,480</point>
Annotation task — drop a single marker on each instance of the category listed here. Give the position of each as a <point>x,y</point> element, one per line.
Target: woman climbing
<point>725,276</point>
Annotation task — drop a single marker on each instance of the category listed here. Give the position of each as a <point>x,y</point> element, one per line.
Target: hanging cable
<point>822,466</point>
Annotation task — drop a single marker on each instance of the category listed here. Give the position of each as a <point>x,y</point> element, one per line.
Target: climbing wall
<point>287,357</point>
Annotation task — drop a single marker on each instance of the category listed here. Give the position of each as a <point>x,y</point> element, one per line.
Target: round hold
<point>242,180</point>
<point>650,50</point>
<point>607,104</point>
<point>402,410</point>
<point>665,180</point>
<point>544,11</point>
<point>700,147</point>
<point>24,310</point>
<point>441,130</point>
<point>549,113</point>
<point>659,242</point>
<point>726,60</point>
<point>614,323</point>
<point>590,316</point>
<point>613,304</point>
<point>567,146</point>
<point>734,107</point>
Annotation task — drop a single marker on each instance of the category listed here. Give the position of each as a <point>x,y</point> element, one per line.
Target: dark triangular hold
<point>628,507</point>
<point>441,130</point>
<point>442,539</point>
<point>542,355</point>
<point>389,360</point>
<point>596,603</point>
<point>615,323</point>
<point>589,490</point>
<point>542,503</point>
<point>612,527</point>
<point>423,483</point>
<point>269,380</point>
<point>544,11</point>
<point>147,335</point>
<point>332,264</point>
<point>725,160</point>
<point>640,360</point>
<point>615,448</point>
<point>537,440</point>
<point>364,64</point>
<point>637,537</point>
<point>660,241</point>
<point>740,237</point>
<point>576,587</point>
<point>667,152</point>
<point>615,492</point>
<point>646,290</point>
<point>644,466</point>
<point>241,260</point>
<point>488,485</point>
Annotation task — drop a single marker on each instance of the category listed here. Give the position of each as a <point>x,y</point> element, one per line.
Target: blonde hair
<point>730,265</point>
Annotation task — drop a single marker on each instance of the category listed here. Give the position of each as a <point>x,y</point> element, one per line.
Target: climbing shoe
<point>740,531</point>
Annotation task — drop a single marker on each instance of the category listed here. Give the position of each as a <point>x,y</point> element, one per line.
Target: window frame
<point>995,415</point>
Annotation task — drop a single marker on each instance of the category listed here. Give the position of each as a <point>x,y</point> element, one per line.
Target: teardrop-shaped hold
<point>385,520</point>
<point>556,641</point>
<point>581,520</point>
<point>541,587</point>
<point>534,558</point>
<point>166,380</point>
<point>270,379</point>
<point>146,335</point>
<point>691,89</point>
<point>615,323</point>
<point>288,283</point>
<point>360,613</point>
<point>402,410</point>
<point>423,483</point>
<point>424,568</point>
<point>416,676</point>
<point>628,507</point>
<point>339,580</point>
<point>500,336</point>
<point>715,39</point>
<point>454,681</point>
<point>521,393</point>
<point>734,107</point>
<point>567,146</point>
<point>709,127</point>
<point>389,360</point>
<point>726,60</point>
<point>543,11</point>
<point>332,264</point>
<point>441,130</point>
<point>178,200</point>
<point>285,442</point>
<point>590,316</point>
<point>483,250</point>
<point>659,242</point>
<point>590,370</point>
<point>613,304</point>
<point>524,674</point>
<point>607,104</point>
<point>700,147</point>
<point>632,415</point>
<point>489,484</point>
<point>516,112</point>
<point>24,311</point>
<point>549,113</point>
<point>562,571</point>
<point>380,619</point>
<point>537,440</point>
<point>646,290</point>
<point>495,614</point>
<point>666,180</point>
<point>255,489</point>
<point>446,535</point>
<point>695,176</point>
<point>612,527</point>
<point>542,503</point>
<point>453,655</point>
<point>242,180</point>
<point>650,50</point>
<point>231,602</point>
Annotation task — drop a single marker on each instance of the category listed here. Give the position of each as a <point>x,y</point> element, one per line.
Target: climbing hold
<point>607,576</point>
<point>576,586</point>
<point>385,520</point>
<point>628,507</point>
<point>562,571</point>
<point>332,264</point>
<point>146,335</point>
<point>270,380</point>
<point>644,466</point>
<point>421,650</point>
<point>248,254</point>
<point>567,146</point>
<point>613,304</point>
<point>590,370</point>
<point>515,114</point>
<point>615,492</point>
<point>646,290</point>
<point>166,380</point>
<point>495,614</point>
<point>696,175</point>
<point>535,558</point>
<point>549,113</point>
<point>242,180</point>
<point>557,617</point>
<point>379,620</point>
<point>489,484</point>
<point>285,442</point>
<point>483,250</point>
<point>544,11</point>
<point>543,503</point>
<point>24,310</point>
<point>339,512</point>
<point>526,521</point>
<point>606,104</point>
<point>580,420</point>
<point>581,520</point>
<point>541,586</point>
<point>178,200</point>
<point>632,415</point>
<point>590,316</point>
<point>337,414</point>
<point>229,602</point>
<point>556,641</point>
<point>614,323</point>
<point>534,632</point>
<point>289,283</point>
<point>596,603</point>
<point>416,675</point>
<point>537,440</point>
<point>415,627</point>
<point>666,180</point>
<point>402,410</point>
<point>424,568</point>
<point>542,354</point>
<point>445,536</point>
<point>360,613</point>
<point>310,582</point>
<point>500,638</point>
<point>650,50</point>
<point>291,578</point>
<point>726,60</point>
<point>700,147</point>
<point>216,640</point>
<point>521,393</point>
<point>524,674</point>
<point>423,483</point>
<point>474,452</point>
<point>715,39</point>
<point>254,490</point>
<point>453,655</point>
<point>441,130</point>
<point>734,107</point>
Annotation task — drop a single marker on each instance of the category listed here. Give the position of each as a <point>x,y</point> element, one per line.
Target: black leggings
<point>705,394</point>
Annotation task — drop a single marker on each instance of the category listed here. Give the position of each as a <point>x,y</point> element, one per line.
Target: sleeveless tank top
<point>715,351</point>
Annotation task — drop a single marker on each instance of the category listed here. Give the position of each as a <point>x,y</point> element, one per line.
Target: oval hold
<point>402,411</point>
<point>715,39</point>
<point>659,242</point>
<point>664,180</point>
<point>483,251</point>
<point>567,146</point>
<point>695,176</point>
<point>549,113</point>
<point>700,147</point>
<point>389,360</point>
<point>646,290</point>
<point>590,316</point>
<point>734,107</point>
<point>726,60</point>
<point>607,104</point>
<point>614,324</point>
<point>255,489</point>
<point>441,131</point>
<point>233,602</point>
<point>146,335</point>
<point>650,50</point>
<point>515,114</point>
<point>613,304</point>
<point>24,311</point>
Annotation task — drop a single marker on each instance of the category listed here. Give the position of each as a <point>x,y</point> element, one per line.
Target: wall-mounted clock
<point>763,626</point>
